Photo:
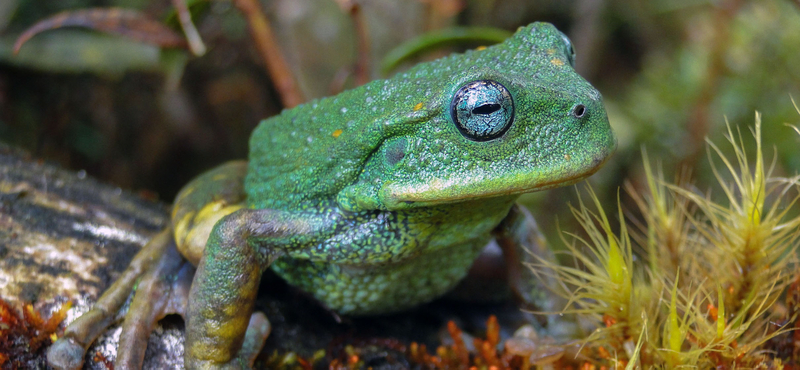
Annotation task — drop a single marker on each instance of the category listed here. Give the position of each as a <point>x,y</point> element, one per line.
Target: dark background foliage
<point>149,118</point>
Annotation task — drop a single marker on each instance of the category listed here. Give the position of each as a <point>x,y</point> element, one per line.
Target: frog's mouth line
<point>399,196</point>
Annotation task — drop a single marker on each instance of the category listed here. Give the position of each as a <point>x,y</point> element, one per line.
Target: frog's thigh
<point>203,202</point>
<point>523,244</point>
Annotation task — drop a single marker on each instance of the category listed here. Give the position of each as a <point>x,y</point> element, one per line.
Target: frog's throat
<point>440,191</point>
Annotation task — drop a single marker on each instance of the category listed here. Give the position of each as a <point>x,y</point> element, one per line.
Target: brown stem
<point>185,18</point>
<point>363,61</point>
<point>361,70</point>
<point>277,67</point>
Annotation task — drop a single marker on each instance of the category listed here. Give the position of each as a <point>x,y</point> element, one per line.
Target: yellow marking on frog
<point>232,326</point>
<point>231,310</point>
<point>479,48</point>
<point>567,157</point>
<point>336,133</point>
<point>550,51</point>
<point>183,194</point>
<point>192,231</point>
<point>556,62</point>
<point>210,209</point>
<point>221,176</point>
<point>417,107</point>
<point>182,227</point>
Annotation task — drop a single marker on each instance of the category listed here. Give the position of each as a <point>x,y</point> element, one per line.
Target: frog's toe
<point>162,290</point>
<point>257,332</point>
<point>65,354</point>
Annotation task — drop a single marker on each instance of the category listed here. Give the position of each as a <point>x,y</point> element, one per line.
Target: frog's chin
<point>481,186</point>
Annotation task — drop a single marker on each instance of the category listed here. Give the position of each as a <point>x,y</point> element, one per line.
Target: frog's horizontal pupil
<point>482,110</point>
<point>486,109</point>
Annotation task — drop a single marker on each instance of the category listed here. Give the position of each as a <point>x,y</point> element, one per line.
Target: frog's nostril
<point>579,110</point>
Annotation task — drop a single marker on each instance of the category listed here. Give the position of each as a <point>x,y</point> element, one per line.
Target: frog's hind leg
<point>220,330</point>
<point>164,277</point>
<point>68,351</point>
<point>162,290</point>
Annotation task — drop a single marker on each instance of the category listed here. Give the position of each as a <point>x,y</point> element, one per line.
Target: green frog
<point>372,201</point>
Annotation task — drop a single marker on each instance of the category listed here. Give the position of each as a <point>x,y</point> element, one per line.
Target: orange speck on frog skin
<point>417,107</point>
<point>557,62</point>
<point>479,48</point>
<point>336,133</point>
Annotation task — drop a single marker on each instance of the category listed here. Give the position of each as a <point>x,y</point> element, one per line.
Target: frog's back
<point>307,154</point>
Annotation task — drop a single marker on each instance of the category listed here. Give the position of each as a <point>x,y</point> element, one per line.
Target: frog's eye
<point>482,110</point>
<point>569,49</point>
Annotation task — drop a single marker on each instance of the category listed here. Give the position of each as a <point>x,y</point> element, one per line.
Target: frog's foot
<point>165,290</point>
<point>487,279</point>
<point>162,289</point>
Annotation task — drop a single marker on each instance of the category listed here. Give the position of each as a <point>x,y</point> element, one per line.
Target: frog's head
<point>506,120</point>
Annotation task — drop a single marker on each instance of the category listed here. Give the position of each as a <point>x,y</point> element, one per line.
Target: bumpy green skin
<point>296,161</point>
<point>374,201</point>
<point>406,189</point>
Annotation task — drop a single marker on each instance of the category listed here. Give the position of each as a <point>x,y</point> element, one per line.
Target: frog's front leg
<point>241,246</point>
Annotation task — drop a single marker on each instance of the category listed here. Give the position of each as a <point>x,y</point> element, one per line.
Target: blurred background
<point>148,117</point>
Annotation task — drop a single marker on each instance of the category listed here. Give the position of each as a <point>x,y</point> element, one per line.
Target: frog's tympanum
<point>374,200</point>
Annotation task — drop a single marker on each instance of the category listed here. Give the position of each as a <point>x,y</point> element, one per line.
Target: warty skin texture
<point>406,188</point>
<point>374,200</point>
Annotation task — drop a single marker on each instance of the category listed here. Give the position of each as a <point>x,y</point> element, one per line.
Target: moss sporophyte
<point>705,289</point>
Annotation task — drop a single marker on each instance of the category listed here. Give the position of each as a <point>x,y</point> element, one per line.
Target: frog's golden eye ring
<point>579,111</point>
<point>482,110</point>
